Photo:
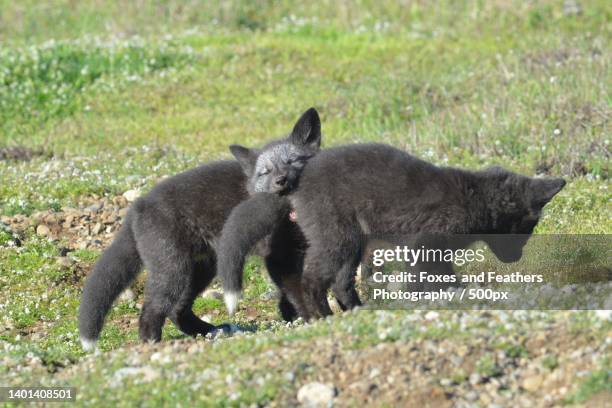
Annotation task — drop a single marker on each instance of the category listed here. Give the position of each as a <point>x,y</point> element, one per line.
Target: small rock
<point>472,396</point>
<point>475,378</point>
<point>131,195</point>
<point>316,395</point>
<point>127,296</point>
<point>375,372</point>
<point>147,373</point>
<point>272,294</point>
<point>572,8</point>
<point>68,220</point>
<point>38,216</point>
<point>95,207</point>
<point>43,230</point>
<point>532,383</point>
<point>485,399</point>
<point>52,219</point>
<point>36,336</point>
<point>457,360</point>
<point>108,217</point>
<point>431,315</point>
<point>194,348</point>
<point>120,201</point>
<point>212,294</point>
<point>445,382</point>
<point>96,229</point>
<point>64,261</point>
<point>160,357</point>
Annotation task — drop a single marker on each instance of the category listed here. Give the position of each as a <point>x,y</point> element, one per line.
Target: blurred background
<point>157,86</point>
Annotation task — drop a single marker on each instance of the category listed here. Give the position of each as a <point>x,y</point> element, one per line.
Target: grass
<point>596,382</point>
<point>114,96</point>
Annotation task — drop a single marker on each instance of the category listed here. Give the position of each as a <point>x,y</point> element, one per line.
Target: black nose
<point>281,181</point>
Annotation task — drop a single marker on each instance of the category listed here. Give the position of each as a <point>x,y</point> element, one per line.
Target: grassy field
<point>106,97</point>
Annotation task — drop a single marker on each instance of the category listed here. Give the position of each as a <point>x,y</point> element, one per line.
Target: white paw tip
<point>88,344</point>
<point>231,301</point>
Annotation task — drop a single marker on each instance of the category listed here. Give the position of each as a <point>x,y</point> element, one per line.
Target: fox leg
<point>284,262</point>
<point>169,276</point>
<point>289,284</point>
<point>182,314</point>
<point>332,258</point>
<point>315,285</point>
<point>344,285</point>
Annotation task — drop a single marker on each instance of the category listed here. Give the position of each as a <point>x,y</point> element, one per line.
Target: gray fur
<point>239,227</point>
<point>172,231</point>
<point>277,167</point>
<point>349,192</point>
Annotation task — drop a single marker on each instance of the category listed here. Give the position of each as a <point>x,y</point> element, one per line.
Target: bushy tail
<point>116,269</point>
<point>249,222</point>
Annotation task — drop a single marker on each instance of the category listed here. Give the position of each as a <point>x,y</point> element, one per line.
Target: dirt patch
<point>20,153</point>
<point>484,369</point>
<point>90,226</point>
<point>440,373</point>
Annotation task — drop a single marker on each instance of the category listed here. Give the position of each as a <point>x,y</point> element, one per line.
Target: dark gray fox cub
<point>350,192</point>
<point>173,230</point>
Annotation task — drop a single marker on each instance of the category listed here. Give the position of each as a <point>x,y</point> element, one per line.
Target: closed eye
<point>300,159</point>
<point>263,172</point>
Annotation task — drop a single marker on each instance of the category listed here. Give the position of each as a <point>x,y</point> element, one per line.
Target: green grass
<point>43,83</point>
<point>487,367</point>
<point>596,382</point>
<point>116,95</point>
<point>141,108</point>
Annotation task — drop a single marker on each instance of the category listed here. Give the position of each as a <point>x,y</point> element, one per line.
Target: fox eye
<point>300,160</point>
<point>263,172</point>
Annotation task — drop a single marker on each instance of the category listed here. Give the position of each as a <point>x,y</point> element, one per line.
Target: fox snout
<point>281,181</point>
<point>281,184</point>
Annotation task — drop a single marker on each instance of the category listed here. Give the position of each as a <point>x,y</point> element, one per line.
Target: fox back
<point>373,190</point>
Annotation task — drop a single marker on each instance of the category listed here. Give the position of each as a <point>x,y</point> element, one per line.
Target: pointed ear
<point>545,189</point>
<point>246,157</point>
<point>307,130</point>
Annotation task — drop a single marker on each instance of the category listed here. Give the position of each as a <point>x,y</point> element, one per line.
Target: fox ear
<point>246,157</point>
<point>307,130</point>
<point>545,189</point>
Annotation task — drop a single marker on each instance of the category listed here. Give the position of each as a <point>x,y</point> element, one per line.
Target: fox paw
<point>224,330</point>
